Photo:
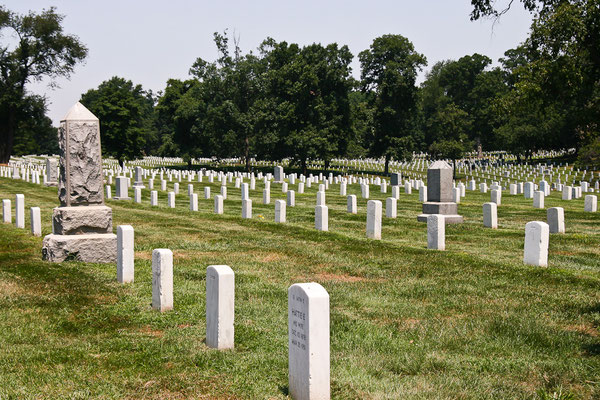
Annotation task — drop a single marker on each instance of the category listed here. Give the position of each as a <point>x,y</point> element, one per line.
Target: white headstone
<point>162,279</point>
<point>247,209</point>
<point>279,211</point>
<point>436,232</point>
<point>496,196</point>
<point>321,218</point>
<point>591,203</point>
<point>137,194</point>
<point>374,219</point>
<point>194,202</point>
<point>536,243</point>
<point>154,198</point>
<point>352,209</point>
<point>6,211</point>
<point>36,221</point>
<point>291,198</point>
<point>490,215</point>
<point>391,209</point>
<point>320,198</point>
<point>125,253</point>
<point>20,211</point>
<point>220,295</point>
<point>538,199</point>
<point>422,193</point>
<point>556,219</point>
<point>218,204</point>
<point>308,342</point>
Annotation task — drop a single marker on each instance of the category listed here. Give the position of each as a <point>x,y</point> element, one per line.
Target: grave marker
<point>162,279</point>
<point>125,254</point>
<point>220,298</point>
<point>536,243</point>
<point>82,225</point>
<point>308,342</point>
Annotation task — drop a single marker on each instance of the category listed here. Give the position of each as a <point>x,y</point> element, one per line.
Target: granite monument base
<point>98,248</point>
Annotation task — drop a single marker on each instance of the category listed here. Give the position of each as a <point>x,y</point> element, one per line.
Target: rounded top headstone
<point>79,113</point>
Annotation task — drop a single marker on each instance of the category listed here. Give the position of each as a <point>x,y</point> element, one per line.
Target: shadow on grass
<point>69,293</point>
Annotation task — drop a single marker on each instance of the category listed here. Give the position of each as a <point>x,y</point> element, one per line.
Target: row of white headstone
<point>308,315</point>
<point>35,217</point>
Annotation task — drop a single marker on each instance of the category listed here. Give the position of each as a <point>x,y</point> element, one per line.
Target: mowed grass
<point>471,322</point>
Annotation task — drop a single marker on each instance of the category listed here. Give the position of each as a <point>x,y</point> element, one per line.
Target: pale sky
<point>151,41</point>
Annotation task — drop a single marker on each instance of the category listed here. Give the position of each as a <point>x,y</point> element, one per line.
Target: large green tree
<point>305,110</point>
<point>464,85</point>
<point>229,90</point>
<point>555,75</point>
<point>123,109</point>
<point>42,50</point>
<point>36,135</point>
<point>389,73</point>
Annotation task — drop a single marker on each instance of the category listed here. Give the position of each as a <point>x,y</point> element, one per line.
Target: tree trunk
<point>304,166</point>
<point>247,153</point>
<point>189,163</point>
<point>7,136</point>
<point>454,168</point>
<point>327,162</point>
<point>387,164</point>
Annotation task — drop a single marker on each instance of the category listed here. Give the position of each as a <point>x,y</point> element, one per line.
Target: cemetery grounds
<point>471,322</point>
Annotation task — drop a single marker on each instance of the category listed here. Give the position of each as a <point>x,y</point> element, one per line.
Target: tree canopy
<point>389,74</point>
<point>123,110</point>
<point>42,50</point>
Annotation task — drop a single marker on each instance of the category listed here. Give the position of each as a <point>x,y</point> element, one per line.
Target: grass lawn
<point>471,322</point>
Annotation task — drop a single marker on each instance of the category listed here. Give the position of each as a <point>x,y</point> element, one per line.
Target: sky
<point>151,41</point>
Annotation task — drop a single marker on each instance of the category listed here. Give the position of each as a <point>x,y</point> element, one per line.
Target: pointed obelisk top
<point>79,113</point>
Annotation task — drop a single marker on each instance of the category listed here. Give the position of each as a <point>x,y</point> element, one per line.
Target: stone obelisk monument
<point>440,199</point>
<point>82,225</point>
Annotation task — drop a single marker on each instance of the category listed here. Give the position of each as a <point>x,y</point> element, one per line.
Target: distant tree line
<point>303,103</point>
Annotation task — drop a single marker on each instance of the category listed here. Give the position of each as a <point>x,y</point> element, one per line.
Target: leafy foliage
<point>124,110</point>
<point>42,50</point>
<point>389,73</point>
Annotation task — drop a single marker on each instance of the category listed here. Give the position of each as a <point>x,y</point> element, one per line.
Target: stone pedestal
<point>99,248</point>
<point>440,194</point>
<point>82,225</point>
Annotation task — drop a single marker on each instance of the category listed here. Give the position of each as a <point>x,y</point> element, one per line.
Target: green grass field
<point>472,322</point>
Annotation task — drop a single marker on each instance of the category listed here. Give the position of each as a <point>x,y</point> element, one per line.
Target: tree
<point>36,133</point>
<point>122,108</point>
<point>230,89</point>
<point>41,51</point>
<point>389,72</point>
<point>305,110</point>
<point>466,84</point>
<point>555,74</point>
<point>179,118</point>
<point>452,125</point>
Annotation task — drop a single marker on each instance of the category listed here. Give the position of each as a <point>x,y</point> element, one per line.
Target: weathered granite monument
<point>82,225</point>
<point>440,199</point>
